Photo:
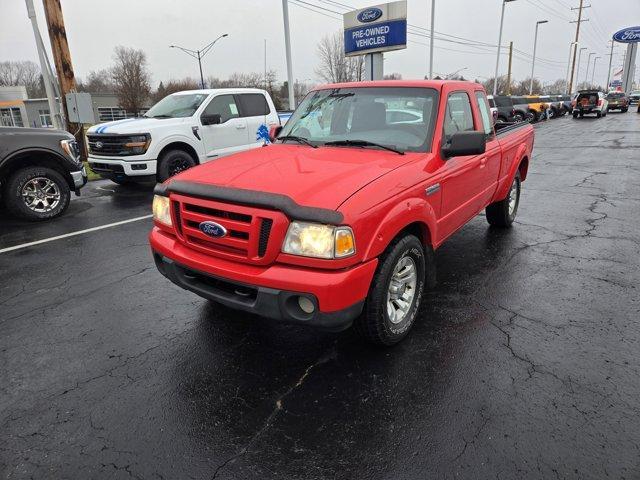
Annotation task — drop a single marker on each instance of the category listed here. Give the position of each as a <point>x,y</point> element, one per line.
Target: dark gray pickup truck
<point>38,170</point>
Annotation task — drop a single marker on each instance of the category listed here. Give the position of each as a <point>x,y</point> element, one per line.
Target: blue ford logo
<point>628,35</point>
<point>369,15</point>
<point>212,229</point>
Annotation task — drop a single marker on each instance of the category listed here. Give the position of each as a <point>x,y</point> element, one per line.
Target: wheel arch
<point>34,157</point>
<point>179,145</point>
<point>415,216</point>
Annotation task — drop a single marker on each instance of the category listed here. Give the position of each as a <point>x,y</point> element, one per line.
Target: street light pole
<point>578,65</point>
<point>535,45</point>
<point>572,46</point>
<point>495,77</point>
<point>610,61</point>
<point>586,75</point>
<point>593,74</point>
<point>199,54</point>
<point>433,11</point>
<point>287,45</point>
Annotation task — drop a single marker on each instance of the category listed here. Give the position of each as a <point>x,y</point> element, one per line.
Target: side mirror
<point>213,119</point>
<point>274,131</point>
<point>465,143</point>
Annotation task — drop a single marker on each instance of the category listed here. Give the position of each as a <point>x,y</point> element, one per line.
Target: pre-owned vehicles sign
<point>380,28</point>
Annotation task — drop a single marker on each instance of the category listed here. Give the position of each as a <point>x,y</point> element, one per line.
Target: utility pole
<point>578,65</point>
<point>572,46</point>
<point>287,44</point>
<point>62,60</point>
<point>577,22</point>
<point>610,60</point>
<point>433,12</point>
<point>509,70</point>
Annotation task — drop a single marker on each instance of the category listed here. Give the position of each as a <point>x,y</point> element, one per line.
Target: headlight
<point>70,147</point>
<point>162,210</point>
<point>320,241</point>
<point>138,144</point>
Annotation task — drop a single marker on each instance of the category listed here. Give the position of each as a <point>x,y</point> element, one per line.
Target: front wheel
<point>396,291</point>
<point>172,163</point>
<point>503,213</point>
<point>37,193</point>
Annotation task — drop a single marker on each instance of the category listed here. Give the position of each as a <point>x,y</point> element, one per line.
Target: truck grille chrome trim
<point>253,235</point>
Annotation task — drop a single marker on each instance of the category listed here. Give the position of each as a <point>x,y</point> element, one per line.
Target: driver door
<point>230,135</point>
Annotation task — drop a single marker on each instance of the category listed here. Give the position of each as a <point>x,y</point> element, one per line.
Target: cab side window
<point>253,104</point>
<point>458,116</point>
<point>487,118</point>
<point>223,105</point>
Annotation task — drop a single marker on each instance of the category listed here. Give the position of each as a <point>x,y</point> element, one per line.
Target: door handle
<point>241,127</point>
<point>483,162</point>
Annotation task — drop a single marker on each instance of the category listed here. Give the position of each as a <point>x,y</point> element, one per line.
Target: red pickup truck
<point>335,223</point>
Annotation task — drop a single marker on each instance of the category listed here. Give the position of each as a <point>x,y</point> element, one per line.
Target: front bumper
<point>119,168</point>
<point>272,291</point>
<point>79,178</point>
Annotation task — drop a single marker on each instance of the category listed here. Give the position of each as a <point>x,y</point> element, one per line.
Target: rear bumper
<point>337,295</point>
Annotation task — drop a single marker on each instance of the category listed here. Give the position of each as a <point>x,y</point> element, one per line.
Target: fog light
<point>306,305</point>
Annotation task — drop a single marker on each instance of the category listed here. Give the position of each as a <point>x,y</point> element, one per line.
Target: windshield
<point>615,95</point>
<point>397,117</point>
<point>176,106</point>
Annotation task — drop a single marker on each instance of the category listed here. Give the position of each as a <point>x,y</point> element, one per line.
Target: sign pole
<point>287,44</point>
<point>509,70</point>
<point>433,12</point>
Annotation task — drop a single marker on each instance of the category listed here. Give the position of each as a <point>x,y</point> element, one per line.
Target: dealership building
<point>17,110</point>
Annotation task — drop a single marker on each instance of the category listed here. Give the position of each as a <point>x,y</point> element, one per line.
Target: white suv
<point>182,130</point>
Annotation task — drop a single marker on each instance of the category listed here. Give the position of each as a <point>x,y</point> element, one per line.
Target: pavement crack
<point>279,406</point>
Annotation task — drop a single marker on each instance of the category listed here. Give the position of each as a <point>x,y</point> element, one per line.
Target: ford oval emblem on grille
<point>369,15</point>
<point>212,229</point>
<point>99,145</point>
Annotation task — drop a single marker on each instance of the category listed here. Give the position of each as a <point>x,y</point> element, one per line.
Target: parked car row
<point>531,108</point>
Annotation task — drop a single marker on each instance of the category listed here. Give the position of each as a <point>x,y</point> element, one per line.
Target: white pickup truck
<point>182,130</point>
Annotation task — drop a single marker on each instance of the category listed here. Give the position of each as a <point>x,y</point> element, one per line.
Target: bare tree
<point>98,81</point>
<point>559,86</point>
<point>173,86</point>
<point>24,73</point>
<point>131,78</point>
<point>393,76</point>
<point>334,65</point>
<point>502,85</point>
<point>522,87</point>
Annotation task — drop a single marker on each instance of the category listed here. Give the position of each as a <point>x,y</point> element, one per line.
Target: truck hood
<point>323,177</point>
<point>135,125</point>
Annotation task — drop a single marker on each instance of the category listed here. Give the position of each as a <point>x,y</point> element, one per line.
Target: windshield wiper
<point>364,143</point>
<point>298,139</point>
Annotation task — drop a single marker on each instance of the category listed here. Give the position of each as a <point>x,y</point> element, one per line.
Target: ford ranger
<point>182,130</point>
<point>336,223</point>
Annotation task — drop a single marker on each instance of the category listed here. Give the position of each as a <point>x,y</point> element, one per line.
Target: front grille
<point>111,145</point>
<point>249,231</point>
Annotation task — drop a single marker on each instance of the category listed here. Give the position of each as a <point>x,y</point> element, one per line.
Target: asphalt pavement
<point>525,363</point>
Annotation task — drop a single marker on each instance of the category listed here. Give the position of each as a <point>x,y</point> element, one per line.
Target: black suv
<point>506,111</point>
<point>38,170</point>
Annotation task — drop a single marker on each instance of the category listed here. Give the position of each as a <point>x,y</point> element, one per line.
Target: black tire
<point>18,204</point>
<point>375,324</point>
<point>499,214</point>
<point>173,162</point>
<point>575,114</point>
<point>598,114</point>
<point>625,110</point>
<point>535,117</point>
<point>519,117</point>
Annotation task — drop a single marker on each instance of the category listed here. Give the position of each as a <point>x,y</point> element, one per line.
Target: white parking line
<point>73,234</point>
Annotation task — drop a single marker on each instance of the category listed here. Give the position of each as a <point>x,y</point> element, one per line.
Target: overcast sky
<point>94,28</point>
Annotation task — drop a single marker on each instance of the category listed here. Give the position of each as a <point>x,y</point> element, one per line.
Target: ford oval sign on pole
<point>627,35</point>
<point>630,36</point>
<point>380,28</point>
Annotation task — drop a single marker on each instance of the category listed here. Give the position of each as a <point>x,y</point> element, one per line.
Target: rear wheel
<point>598,114</point>
<point>396,291</point>
<point>173,162</point>
<point>519,116</point>
<point>575,114</point>
<point>37,193</point>
<point>503,213</point>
